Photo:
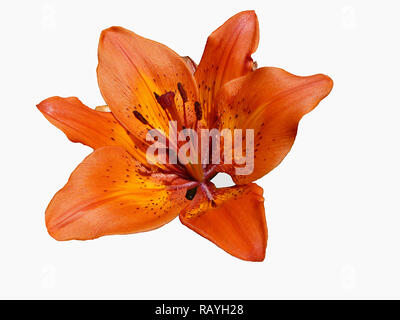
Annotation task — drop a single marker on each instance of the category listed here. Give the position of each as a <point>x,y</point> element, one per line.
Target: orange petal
<point>111,193</point>
<point>271,101</point>
<point>227,56</point>
<point>236,223</point>
<point>131,69</point>
<point>93,128</point>
<point>81,124</point>
<point>190,63</point>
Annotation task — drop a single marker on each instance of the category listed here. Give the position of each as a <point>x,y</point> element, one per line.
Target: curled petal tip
<point>326,83</point>
<point>250,16</point>
<point>41,105</point>
<point>110,30</point>
<point>258,256</point>
<point>329,80</point>
<point>46,105</point>
<point>248,13</point>
<point>111,33</point>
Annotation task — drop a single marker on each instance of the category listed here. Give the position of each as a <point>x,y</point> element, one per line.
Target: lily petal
<point>190,63</point>
<point>112,193</point>
<point>132,70</point>
<point>227,56</point>
<point>81,124</point>
<point>272,102</point>
<point>235,223</point>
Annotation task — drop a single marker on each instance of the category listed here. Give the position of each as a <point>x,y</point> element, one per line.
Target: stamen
<point>139,116</point>
<point>182,92</point>
<point>210,171</point>
<point>206,191</point>
<point>166,100</point>
<point>198,111</point>
<point>183,186</point>
<point>167,176</point>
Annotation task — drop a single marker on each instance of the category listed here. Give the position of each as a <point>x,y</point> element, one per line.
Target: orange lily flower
<point>115,190</point>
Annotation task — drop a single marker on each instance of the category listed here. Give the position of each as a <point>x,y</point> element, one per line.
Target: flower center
<point>198,173</point>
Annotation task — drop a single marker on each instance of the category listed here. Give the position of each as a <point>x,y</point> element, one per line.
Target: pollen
<point>139,116</point>
<point>166,100</point>
<point>182,92</point>
<point>198,111</point>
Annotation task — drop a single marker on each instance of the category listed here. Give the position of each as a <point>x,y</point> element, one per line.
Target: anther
<point>198,111</point>
<point>182,92</point>
<point>166,100</point>
<point>139,116</point>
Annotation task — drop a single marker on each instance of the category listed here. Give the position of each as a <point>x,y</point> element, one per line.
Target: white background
<point>332,206</point>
